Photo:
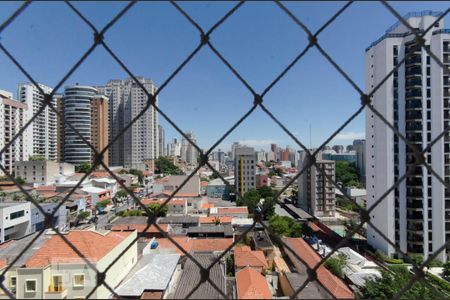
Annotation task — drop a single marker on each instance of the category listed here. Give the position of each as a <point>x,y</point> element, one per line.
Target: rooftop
<point>212,220</point>
<point>193,245</point>
<point>312,290</point>
<point>93,245</point>
<point>10,249</point>
<point>184,219</point>
<point>229,210</point>
<point>261,239</point>
<point>244,257</point>
<point>152,272</point>
<point>335,286</point>
<point>191,276</point>
<point>136,223</point>
<point>250,284</point>
<point>227,230</point>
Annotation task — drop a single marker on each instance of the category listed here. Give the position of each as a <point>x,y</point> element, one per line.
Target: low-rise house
<point>333,285</point>
<point>188,288</point>
<point>171,183</point>
<point>245,257</point>
<point>139,224</point>
<point>15,220</point>
<point>192,245</point>
<point>232,211</point>
<point>174,206</point>
<point>54,270</point>
<point>261,241</point>
<point>290,283</point>
<point>38,219</point>
<point>185,221</point>
<point>215,220</point>
<point>205,231</point>
<point>42,172</point>
<point>358,269</point>
<point>97,194</point>
<point>216,188</point>
<point>105,183</point>
<point>250,284</point>
<point>152,276</point>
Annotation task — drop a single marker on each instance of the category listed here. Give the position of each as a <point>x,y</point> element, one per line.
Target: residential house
<point>169,184</point>
<point>54,270</point>
<point>192,245</point>
<point>261,241</point>
<point>214,220</point>
<point>216,188</point>
<point>174,206</point>
<point>205,231</point>
<point>290,283</point>
<point>250,284</point>
<point>151,278</point>
<point>185,221</point>
<point>232,211</point>
<point>15,220</point>
<point>139,224</point>
<point>97,194</point>
<point>245,257</point>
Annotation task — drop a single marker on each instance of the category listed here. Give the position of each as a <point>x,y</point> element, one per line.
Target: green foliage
<point>20,180</point>
<point>121,194</point>
<point>392,282</point>
<point>204,179</point>
<point>275,172</point>
<point>36,158</point>
<point>164,166</point>
<point>347,174</point>
<point>336,264</point>
<point>230,265</point>
<point>285,226</point>
<point>252,198</point>
<point>131,213</point>
<point>393,261</point>
<point>442,285</point>
<point>345,204</point>
<point>446,270</point>
<point>153,207</point>
<point>138,173</point>
<point>83,215</point>
<point>103,203</point>
<point>416,258</point>
<point>213,176</point>
<point>435,263</point>
<point>83,168</point>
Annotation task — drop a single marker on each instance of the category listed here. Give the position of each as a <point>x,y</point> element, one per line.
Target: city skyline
<point>209,84</point>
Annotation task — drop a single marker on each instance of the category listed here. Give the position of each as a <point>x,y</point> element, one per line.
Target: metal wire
<point>255,100</point>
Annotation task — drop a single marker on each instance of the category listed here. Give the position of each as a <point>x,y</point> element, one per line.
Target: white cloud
<point>257,143</point>
<point>349,136</point>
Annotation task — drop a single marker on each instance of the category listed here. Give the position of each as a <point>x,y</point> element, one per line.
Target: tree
<point>83,168</point>
<point>214,175</point>
<point>347,174</point>
<point>153,207</point>
<point>390,283</point>
<point>251,199</point>
<point>83,215</point>
<point>230,265</point>
<point>121,194</point>
<point>164,166</point>
<point>446,270</point>
<point>20,180</point>
<point>103,203</point>
<point>139,174</point>
<point>36,158</point>
<point>336,264</point>
<point>285,226</point>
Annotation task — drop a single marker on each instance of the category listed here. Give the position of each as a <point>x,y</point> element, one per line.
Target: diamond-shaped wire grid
<point>257,102</point>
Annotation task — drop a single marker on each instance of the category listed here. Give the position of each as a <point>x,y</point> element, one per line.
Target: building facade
<point>40,137</point>
<point>140,142</point>
<point>42,172</point>
<point>100,126</point>
<point>244,169</point>
<point>316,194</point>
<point>11,121</point>
<point>15,220</point>
<point>161,141</point>
<point>416,100</point>
<point>189,153</point>
<point>359,147</point>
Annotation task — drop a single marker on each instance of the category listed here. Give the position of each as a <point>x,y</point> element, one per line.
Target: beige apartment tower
<point>99,125</point>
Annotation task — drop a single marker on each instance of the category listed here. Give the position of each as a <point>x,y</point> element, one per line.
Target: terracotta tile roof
<point>280,265</point>
<point>328,280</point>
<point>212,220</point>
<point>242,248</point>
<point>140,228</point>
<point>100,174</point>
<point>195,245</point>
<point>232,210</point>
<point>207,205</point>
<point>251,284</point>
<point>46,188</point>
<point>203,183</point>
<point>249,258</point>
<point>93,245</point>
<point>3,263</point>
<point>210,245</point>
<point>168,193</point>
<point>151,295</point>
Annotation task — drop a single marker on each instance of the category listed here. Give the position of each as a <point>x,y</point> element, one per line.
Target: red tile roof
<point>207,205</point>
<point>251,284</point>
<point>203,183</point>
<point>3,263</point>
<point>244,258</point>
<point>242,248</point>
<point>140,228</point>
<point>197,245</point>
<point>46,188</point>
<point>233,210</point>
<point>212,220</point>
<point>328,280</point>
<point>93,245</point>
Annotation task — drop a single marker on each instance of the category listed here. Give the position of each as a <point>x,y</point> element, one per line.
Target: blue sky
<point>259,40</point>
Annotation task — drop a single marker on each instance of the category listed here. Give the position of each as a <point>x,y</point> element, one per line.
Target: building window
<point>13,282</point>
<point>57,283</point>
<point>16,214</point>
<point>78,280</point>
<point>30,285</point>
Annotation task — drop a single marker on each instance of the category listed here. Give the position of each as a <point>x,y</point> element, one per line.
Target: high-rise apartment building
<point>416,100</point>
<point>99,126</point>
<point>188,152</point>
<point>12,119</point>
<point>316,193</point>
<point>140,142</point>
<point>161,141</point>
<point>59,127</point>
<point>40,137</point>
<point>77,102</point>
<point>175,148</point>
<point>244,169</point>
<point>360,148</point>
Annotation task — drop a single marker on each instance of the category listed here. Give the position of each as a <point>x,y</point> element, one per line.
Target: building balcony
<point>60,294</point>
